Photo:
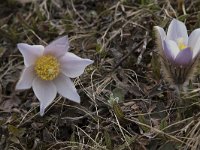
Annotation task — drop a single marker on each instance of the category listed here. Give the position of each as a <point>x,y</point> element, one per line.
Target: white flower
<point>178,48</point>
<point>48,70</point>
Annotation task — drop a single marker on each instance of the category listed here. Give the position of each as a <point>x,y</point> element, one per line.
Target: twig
<point>127,55</point>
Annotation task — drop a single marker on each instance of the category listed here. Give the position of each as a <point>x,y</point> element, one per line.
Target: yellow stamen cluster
<point>181,44</point>
<point>47,67</point>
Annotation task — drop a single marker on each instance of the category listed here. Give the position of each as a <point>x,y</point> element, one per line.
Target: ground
<point>126,104</point>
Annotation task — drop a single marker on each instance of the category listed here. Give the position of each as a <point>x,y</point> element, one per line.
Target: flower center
<point>181,44</point>
<point>47,67</point>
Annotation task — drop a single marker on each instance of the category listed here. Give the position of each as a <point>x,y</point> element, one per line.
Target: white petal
<point>58,47</point>
<point>161,32</point>
<point>26,79</point>
<point>177,30</point>
<point>45,91</point>
<point>194,42</point>
<point>171,50</point>
<point>72,65</point>
<point>30,52</point>
<point>66,88</point>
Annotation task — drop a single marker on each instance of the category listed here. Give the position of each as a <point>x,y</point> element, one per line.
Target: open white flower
<point>48,70</point>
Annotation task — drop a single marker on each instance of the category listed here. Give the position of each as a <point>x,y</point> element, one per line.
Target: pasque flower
<point>179,51</point>
<point>48,70</point>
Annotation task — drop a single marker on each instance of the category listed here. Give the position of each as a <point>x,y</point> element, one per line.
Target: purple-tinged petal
<point>73,66</point>
<point>30,52</point>
<point>26,79</point>
<point>45,91</point>
<point>160,35</point>
<point>161,32</point>
<point>177,30</point>
<point>171,50</point>
<point>58,47</point>
<point>194,42</point>
<point>184,57</point>
<point>66,88</point>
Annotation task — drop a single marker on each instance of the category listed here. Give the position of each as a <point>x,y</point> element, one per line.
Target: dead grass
<point>125,103</point>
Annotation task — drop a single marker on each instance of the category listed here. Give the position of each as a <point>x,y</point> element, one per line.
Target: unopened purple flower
<point>48,70</point>
<point>179,49</point>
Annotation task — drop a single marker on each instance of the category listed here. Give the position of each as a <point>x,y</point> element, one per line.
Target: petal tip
<point>42,109</point>
<point>156,27</point>
<point>75,98</point>
<point>21,45</point>
<point>78,99</point>
<point>174,20</point>
<point>90,61</point>
<point>17,87</point>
